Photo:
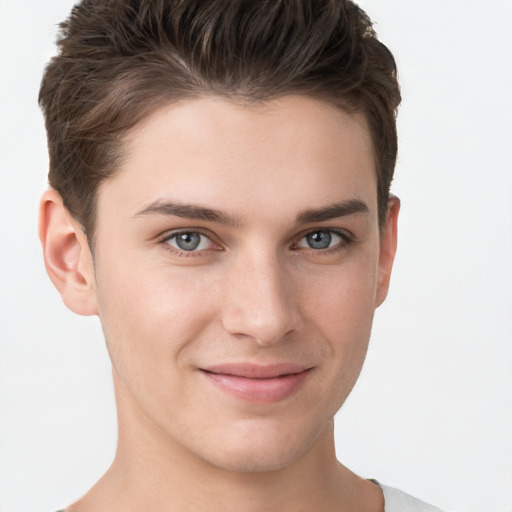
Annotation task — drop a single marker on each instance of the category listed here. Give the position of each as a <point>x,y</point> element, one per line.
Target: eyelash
<point>346,240</point>
<point>181,252</point>
<point>342,245</point>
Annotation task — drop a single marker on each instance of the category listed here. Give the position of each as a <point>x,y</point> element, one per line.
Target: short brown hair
<point>119,60</point>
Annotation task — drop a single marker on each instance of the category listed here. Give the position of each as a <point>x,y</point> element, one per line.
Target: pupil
<point>188,241</point>
<point>319,240</point>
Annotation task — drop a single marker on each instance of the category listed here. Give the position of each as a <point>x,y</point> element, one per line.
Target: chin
<point>261,450</point>
<point>247,461</point>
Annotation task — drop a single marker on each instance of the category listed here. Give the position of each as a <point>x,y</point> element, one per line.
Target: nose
<point>260,301</point>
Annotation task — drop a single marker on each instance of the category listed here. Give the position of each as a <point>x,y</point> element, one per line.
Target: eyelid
<point>347,236</point>
<point>192,229</point>
<point>168,235</point>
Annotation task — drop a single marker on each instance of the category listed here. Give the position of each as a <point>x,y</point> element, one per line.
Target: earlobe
<point>388,246</point>
<point>66,254</point>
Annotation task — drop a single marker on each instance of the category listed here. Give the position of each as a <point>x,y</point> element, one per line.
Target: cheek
<point>341,306</point>
<point>150,317</point>
<point>342,300</point>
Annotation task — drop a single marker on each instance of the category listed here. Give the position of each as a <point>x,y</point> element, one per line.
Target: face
<point>238,267</point>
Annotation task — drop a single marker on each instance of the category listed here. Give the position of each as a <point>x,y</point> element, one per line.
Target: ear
<point>388,244</point>
<point>67,257</point>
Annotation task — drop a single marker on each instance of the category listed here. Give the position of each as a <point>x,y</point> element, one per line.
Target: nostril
<point>264,327</point>
<point>259,302</point>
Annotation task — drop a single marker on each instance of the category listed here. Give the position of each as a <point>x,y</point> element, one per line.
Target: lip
<point>256,383</point>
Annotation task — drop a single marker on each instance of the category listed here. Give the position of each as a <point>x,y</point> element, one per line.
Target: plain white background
<point>432,412</point>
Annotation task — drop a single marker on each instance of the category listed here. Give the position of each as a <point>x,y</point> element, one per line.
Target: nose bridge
<point>260,298</point>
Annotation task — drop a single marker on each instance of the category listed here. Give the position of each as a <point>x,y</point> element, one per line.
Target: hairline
<point>246,101</point>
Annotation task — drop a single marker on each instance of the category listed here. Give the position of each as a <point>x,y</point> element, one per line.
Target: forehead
<point>214,152</point>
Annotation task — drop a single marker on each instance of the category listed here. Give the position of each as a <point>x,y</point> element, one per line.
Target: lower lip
<point>269,390</point>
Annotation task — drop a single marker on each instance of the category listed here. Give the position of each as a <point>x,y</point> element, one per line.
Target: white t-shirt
<point>398,501</point>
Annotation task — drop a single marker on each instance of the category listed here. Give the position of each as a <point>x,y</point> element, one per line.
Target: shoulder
<point>399,501</point>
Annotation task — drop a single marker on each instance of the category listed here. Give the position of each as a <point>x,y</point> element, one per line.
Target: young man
<point>219,197</point>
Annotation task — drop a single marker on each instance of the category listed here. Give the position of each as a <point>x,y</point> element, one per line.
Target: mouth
<point>255,383</point>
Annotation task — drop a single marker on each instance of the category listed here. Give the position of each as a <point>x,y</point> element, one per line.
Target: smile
<point>254,383</point>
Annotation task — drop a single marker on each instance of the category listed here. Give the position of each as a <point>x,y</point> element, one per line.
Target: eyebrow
<point>188,211</point>
<point>333,211</point>
<point>196,212</point>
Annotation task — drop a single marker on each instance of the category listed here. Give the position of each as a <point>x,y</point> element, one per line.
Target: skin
<point>254,291</point>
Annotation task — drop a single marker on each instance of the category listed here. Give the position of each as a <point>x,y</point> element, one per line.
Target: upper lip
<point>256,371</point>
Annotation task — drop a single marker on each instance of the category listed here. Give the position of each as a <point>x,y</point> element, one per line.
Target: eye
<point>189,241</point>
<point>322,239</point>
